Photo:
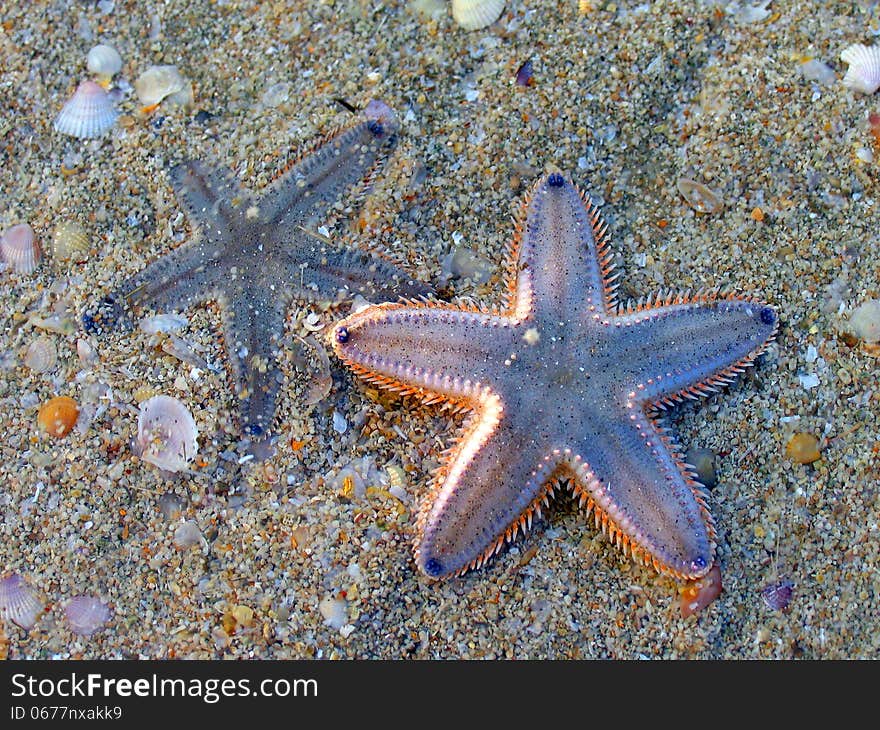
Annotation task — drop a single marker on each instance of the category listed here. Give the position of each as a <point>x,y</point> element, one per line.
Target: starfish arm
<point>306,192</point>
<point>436,353</point>
<point>563,253</point>
<point>686,347</point>
<point>344,273</point>
<point>211,197</point>
<point>252,328</point>
<point>183,277</point>
<point>631,475</point>
<point>493,482</point>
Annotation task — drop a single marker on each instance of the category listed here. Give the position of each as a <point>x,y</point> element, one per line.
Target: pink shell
<point>86,614</point>
<point>20,248</point>
<point>19,602</point>
<point>88,113</point>
<point>166,433</point>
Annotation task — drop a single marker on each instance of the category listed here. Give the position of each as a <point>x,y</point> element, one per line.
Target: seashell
<point>58,415</point>
<point>697,594</point>
<point>863,73</point>
<point>525,74</point>
<point>162,323</point>
<point>41,355</point>
<point>19,602</point>
<point>803,448</point>
<point>187,535</point>
<point>159,82</point>
<point>86,614</point>
<point>698,196</point>
<point>20,248</point>
<point>166,433</point>
<point>778,595</point>
<point>85,352</point>
<point>69,242</point>
<point>104,61</point>
<point>865,321</point>
<point>379,111</point>
<point>88,113</point>
<point>476,14</point>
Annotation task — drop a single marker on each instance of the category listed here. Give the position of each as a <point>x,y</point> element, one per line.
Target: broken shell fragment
<point>166,433</point>
<point>865,321</point>
<point>698,196</point>
<point>19,602</point>
<point>88,113</point>
<point>20,248</point>
<point>476,14</point>
<point>86,614</point>
<point>160,82</point>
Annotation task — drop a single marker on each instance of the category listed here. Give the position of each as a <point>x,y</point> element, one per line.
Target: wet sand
<point>293,560</point>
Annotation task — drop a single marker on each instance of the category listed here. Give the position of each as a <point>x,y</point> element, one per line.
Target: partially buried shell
<point>863,73</point>
<point>104,61</point>
<point>86,614</point>
<point>701,198</point>
<point>70,242</point>
<point>41,355</point>
<point>166,433</point>
<point>476,14</point>
<point>161,82</point>
<point>58,415</point>
<point>89,112</point>
<point>20,248</point>
<point>19,602</point>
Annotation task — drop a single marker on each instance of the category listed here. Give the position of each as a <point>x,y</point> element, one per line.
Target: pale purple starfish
<point>255,256</point>
<point>565,387</point>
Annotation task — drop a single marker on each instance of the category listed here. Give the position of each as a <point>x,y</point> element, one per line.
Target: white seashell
<point>70,241</point>
<point>19,602</point>
<point>85,352</point>
<point>865,321</point>
<point>476,14</point>
<point>88,113</point>
<point>165,322</point>
<point>159,82</point>
<point>166,433</point>
<point>187,535</point>
<point>104,61</point>
<point>86,614</point>
<point>41,355</point>
<point>20,248</point>
<point>864,68</point>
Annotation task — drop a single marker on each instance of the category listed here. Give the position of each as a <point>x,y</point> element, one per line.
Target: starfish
<point>565,387</point>
<point>255,256</point>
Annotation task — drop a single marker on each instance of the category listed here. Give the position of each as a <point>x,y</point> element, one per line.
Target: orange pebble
<point>58,416</point>
<point>698,594</point>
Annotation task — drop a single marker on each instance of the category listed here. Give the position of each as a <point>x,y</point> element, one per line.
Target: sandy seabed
<point>289,559</point>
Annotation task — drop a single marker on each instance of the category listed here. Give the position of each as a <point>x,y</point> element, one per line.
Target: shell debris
<point>159,83</point>
<point>698,196</point>
<point>70,242</point>
<point>86,614</point>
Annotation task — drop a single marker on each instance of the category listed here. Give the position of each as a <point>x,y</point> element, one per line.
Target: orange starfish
<point>565,387</point>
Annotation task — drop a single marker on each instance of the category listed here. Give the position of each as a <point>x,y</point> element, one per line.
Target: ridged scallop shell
<point>166,433</point>
<point>160,82</point>
<point>58,415</point>
<point>104,61</point>
<point>86,614</point>
<point>19,602</point>
<point>20,248</point>
<point>70,242</point>
<point>476,14</point>
<point>88,113</point>
<point>41,355</point>
<point>864,68</point>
